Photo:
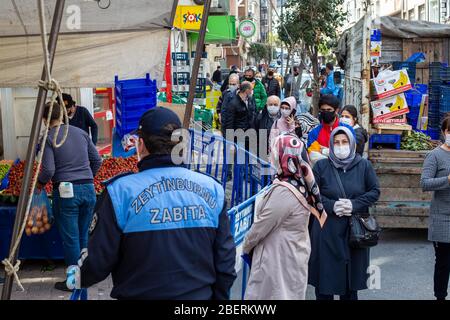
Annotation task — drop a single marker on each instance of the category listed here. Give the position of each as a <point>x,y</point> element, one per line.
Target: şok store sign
<point>188,17</point>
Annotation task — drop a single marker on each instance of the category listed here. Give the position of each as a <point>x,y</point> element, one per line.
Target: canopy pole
<point>35,130</point>
<point>196,66</point>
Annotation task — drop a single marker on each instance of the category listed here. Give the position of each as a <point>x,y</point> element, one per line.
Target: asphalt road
<point>405,261</point>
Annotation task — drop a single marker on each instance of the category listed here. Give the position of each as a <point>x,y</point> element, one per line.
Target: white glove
<point>348,207</point>
<point>342,208</point>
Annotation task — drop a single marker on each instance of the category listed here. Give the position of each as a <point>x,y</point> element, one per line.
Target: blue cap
<point>154,120</point>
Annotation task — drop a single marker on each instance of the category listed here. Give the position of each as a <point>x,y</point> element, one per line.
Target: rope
<point>49,85</point>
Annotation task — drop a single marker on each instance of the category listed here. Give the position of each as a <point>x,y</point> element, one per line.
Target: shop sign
<point>247,28</point>
<point>188,17</point>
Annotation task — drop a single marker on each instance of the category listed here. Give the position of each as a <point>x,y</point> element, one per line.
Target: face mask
<point>342,152</point>
<point>251,79</point>
<point>137,149</point>
<point>327,116</point>
<point>250,96</point>
<point>447,140</point>
<point>347,121</point>
<point>286,113</point>
<point>273,109</point>
<point>258,79</point>
<point>233,87</point>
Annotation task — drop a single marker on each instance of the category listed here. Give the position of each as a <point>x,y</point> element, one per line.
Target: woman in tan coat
<point>278,239</point>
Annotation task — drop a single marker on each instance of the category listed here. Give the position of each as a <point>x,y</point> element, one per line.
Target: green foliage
<point>316,21</point>
<point>416,141</point>
<point>259,51</point>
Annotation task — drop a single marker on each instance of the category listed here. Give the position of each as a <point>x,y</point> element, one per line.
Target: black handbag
<point>364,230</point>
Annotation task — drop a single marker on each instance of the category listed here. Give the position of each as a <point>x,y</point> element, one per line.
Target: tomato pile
<point>111,167</point>
<point>15,180</point>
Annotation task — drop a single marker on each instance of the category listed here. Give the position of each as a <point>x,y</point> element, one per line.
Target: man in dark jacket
<point>228,95</point>
<point>272,85</point>
<point>80,117</point>
<point>217,76</point>
<point>162,233</point>
<point>240,112</point>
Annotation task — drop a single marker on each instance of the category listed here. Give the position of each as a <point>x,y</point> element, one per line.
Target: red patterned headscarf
<point>291,161</point>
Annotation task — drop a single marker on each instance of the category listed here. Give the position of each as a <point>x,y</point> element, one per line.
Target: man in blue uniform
<point>162,233</point>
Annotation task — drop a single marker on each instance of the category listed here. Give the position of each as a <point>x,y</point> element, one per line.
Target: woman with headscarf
<point>286,123</point>
<point>278,240</point>
<point>335,268</point>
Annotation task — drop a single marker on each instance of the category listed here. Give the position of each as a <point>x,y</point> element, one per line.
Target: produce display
<point>15,180</point>
<point>110,168</point>
<point>417,141</point>
<point>5,165</point>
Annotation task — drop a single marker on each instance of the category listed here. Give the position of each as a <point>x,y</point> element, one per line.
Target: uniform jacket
<point>162,233</point>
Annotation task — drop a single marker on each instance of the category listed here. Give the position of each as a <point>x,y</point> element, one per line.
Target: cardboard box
<point>396,120</point>
<point>390,83</point>
<point>389,108</point>
<point>179,109</point>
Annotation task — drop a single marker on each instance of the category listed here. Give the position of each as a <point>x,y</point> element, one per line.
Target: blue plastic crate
<point>393,140</point>
<point>136,92</point>
<point>128,83</point>
<point>422,88</point>
<point>136,103</point>
<point>126,127</point>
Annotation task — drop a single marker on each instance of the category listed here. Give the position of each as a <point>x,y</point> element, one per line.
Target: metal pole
<point>35,130</point>
<point>196,66</point>
<point>282,51</point>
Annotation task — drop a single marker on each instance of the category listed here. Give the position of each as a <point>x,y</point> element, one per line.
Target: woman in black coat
<point>334,267</point>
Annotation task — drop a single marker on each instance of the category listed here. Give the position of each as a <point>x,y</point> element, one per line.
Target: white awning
<point>128,39</point>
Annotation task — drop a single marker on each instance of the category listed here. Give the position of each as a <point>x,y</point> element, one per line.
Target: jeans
<point>73,217</point>
<point>441,269</point>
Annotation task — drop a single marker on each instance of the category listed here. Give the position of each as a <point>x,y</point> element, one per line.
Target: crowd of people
<point>146,228</point>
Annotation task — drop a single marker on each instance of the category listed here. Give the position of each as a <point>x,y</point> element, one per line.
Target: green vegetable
<point>416,141</point>
<point>4,168</point>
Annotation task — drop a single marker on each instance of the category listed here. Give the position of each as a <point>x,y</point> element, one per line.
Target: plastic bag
<point>40,219</point>
<point>129,142</point>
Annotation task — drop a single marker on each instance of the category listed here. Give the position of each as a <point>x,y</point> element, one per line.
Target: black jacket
<point>361,139</point>
<point>332,262</point>
<point>237,115</point>
<point>224,99</point>
<point>176,263</point>
<point>272,87</point>
<point>83,119</point>
<point>217,76</point>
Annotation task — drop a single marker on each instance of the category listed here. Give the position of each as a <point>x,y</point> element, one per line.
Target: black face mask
<point>327,116</point>
<point>249,79</point>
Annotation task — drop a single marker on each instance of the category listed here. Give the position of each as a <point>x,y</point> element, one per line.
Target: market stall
<point>399,80</point>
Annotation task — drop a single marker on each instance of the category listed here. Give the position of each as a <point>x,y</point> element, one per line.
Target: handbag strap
<point>321,217</point>
<point>339,181</point>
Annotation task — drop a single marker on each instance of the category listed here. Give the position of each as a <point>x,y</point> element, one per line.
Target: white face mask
<point>233,87</point>
<point>347,121</point>
<point>137,149</point>
<point>286,112</point>
<point>447,139</point>
<point>273,109</point>
<point>342,152</point>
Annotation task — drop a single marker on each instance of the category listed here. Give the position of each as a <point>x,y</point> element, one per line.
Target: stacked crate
<point>133,98</point>
<point>439,90</point>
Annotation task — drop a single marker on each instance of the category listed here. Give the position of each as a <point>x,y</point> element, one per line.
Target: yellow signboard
<point>188,17</point>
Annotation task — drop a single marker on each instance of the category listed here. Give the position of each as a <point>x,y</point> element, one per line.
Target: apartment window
<point>422,15</point>
<point>411,15</point>
<point>434,11</point>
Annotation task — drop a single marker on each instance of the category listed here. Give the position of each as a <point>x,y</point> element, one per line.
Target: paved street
<point>405,259</point>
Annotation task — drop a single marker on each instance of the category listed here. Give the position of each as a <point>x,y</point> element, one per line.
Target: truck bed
<point>402,203</point>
